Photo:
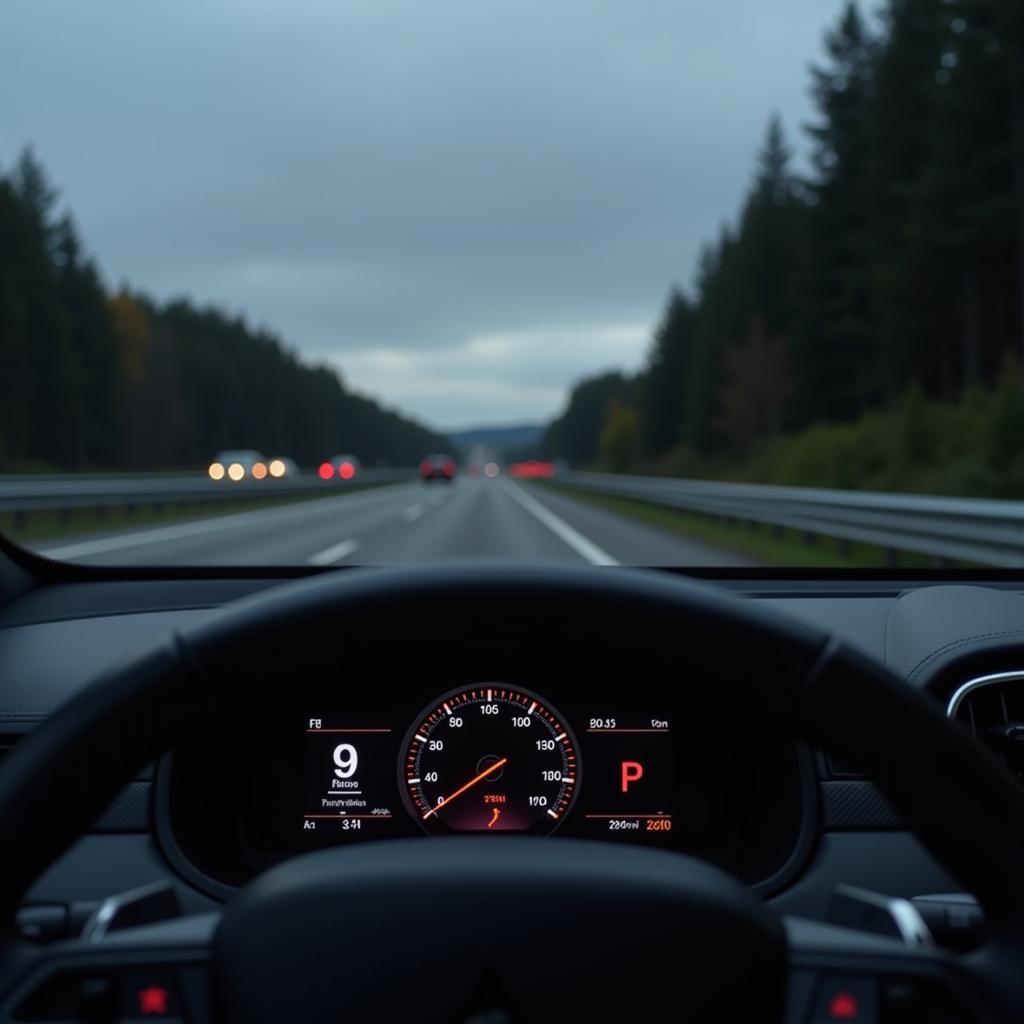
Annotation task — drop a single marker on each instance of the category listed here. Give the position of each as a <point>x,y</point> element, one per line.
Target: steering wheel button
<point>151,996</point>
<point>846,1000</point>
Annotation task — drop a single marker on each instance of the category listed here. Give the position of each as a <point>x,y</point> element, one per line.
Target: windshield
<point>698,284</point>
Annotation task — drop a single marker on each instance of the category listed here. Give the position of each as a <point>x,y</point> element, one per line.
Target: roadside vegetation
<point>860,324</point>
<point>95,380</point>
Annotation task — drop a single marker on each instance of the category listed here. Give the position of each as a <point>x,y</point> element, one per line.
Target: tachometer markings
<point>480,747</point>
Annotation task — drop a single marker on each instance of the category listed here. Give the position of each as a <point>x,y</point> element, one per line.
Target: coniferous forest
<point>861,323</point>
<point>92,381</point>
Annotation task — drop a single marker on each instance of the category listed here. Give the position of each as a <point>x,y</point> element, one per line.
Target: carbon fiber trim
<point>856,806</point>
<point>130,811</point>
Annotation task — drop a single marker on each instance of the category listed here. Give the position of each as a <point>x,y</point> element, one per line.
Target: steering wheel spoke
<point>841,974</point>
<point>160,972</point>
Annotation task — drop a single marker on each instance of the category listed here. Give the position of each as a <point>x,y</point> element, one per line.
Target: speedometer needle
<point>469,785</point>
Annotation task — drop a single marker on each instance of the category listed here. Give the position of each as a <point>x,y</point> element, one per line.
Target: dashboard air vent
<point>992,707</point>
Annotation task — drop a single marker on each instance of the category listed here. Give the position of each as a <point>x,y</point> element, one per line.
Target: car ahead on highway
<point>438,467</point>
<point>238,464</point>
<point>281,468</point>
<point>340,467</point>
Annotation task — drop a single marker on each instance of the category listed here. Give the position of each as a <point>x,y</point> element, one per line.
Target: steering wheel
<point>420,930</point>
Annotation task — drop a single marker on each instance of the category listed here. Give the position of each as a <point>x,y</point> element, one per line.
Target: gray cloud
<point>394,186</point>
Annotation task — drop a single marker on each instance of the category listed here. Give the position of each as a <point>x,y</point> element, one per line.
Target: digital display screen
<point>630,774</point>
<point>489,759</point>
<point>349,776</point>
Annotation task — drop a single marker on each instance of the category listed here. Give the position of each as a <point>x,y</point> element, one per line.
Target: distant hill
<point>500,440</point>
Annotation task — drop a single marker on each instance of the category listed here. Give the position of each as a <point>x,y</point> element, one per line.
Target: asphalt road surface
<point>402,524</point>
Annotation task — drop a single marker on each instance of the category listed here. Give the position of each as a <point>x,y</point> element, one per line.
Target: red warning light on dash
<point>153,1001</point>
<point>844,1006</point>
<point>632,771</point>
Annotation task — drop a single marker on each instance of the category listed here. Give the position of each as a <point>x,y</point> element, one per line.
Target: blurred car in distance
<point>280,468</point>
<point>237,465</point>
<point>340,467</point>
<point>532,468</point>
<point>438,467</point>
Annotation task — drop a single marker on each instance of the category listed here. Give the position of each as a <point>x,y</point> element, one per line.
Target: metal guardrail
<point>22,496</point>
<point>981,531</point>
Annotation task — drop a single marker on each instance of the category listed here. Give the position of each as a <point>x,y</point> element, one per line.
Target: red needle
<point>462,789</point>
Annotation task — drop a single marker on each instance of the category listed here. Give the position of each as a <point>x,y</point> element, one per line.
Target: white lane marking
<point>335,553</point>
<point>586,549</point>
<point>215,524</point>
<point>413,512</point>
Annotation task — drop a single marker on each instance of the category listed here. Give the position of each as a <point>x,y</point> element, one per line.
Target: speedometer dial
<point>489,759</point>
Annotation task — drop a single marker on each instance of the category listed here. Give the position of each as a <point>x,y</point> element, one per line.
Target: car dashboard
<point>611,752</point>
<point>496,754</point>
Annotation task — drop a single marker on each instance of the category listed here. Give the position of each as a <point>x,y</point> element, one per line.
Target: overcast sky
<point>462,205</point>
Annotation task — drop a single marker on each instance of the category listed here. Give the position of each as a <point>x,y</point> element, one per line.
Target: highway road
<point>404,523</point>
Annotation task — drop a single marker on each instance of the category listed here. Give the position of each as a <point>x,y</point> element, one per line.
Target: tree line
<point>892,272</point>
<point>93,380</point>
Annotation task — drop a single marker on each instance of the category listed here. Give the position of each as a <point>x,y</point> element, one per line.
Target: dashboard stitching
<point>962,642</point>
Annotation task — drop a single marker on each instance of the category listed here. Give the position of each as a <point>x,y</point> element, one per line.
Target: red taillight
<point>346,471</point>
<point>326,471</point>
<point>426,466</point>
<point>449,469</point>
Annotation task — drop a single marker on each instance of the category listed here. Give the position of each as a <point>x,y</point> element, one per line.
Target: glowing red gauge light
<point>489,758</point>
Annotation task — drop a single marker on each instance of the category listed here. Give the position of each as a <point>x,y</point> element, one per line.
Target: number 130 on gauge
<point>489,759</point>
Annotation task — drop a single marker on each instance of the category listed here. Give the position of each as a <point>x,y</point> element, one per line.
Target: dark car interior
<point>223,794</point>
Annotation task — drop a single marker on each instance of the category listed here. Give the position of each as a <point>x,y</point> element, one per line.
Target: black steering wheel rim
<point>947,789</point>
